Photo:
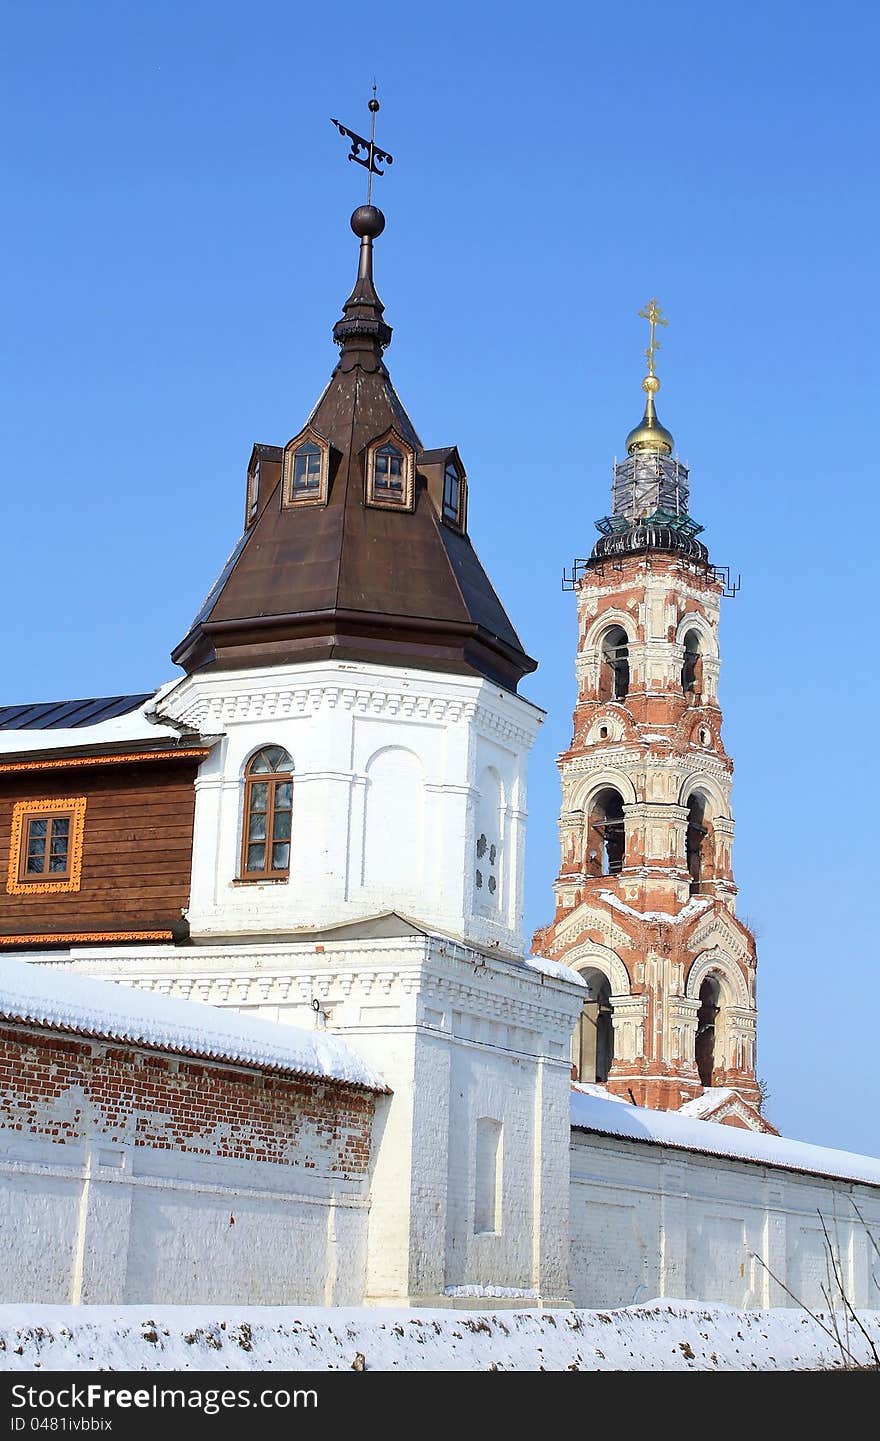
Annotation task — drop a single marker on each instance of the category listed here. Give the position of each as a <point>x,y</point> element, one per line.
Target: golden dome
<point>649,436</point>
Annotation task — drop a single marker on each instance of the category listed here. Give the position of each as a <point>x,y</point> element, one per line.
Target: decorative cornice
<point>210,710</point>
<point>504,727</point>
<point>125,758</point>
<point>84,938</point>
<point>206,712</point>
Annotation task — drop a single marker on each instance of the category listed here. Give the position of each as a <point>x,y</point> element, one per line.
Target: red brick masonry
<point>68,1090</point>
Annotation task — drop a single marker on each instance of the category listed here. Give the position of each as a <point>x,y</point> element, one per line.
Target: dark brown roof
<point>68,714</point>
<point>348,581</point>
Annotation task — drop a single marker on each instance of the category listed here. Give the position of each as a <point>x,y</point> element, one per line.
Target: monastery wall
<point>134,1177</point>
<point>469,1176</point>
<point>649,1220</point>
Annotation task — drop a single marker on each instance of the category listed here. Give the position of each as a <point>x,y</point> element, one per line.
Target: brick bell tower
<point>645,896</point>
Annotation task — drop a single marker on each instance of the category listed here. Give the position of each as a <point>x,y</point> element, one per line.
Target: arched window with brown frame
<point>306,470</point>
<point>268,811</point>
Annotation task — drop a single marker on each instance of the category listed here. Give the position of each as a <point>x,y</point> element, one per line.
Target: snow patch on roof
<point>689,1133</point>
<point>691,908</point>
<point>593,1088</point>
<point>711,1099</point>
<point>49,997</point>
<point>558,970</point>
<point>134,726</point>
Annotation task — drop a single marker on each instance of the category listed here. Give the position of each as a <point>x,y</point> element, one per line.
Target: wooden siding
<point>136,856</point>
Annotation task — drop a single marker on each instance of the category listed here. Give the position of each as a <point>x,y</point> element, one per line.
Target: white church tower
<point>359,673</point>
<point>358,846</point>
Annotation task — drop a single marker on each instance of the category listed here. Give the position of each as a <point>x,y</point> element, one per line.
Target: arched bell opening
<point>707,1028</point>
<point>700,843</point>
<point>614,664</point>
<point>692,667</point>
<point>594,1039</point>
<point>606,834</point>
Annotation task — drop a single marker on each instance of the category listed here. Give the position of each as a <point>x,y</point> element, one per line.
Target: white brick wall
<point>116,1225</point>
<point>649,1221</point>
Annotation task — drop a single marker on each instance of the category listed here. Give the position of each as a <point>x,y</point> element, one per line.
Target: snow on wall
<point>655,1337</point>
<point>51,997</point>
<point>671,1128</point>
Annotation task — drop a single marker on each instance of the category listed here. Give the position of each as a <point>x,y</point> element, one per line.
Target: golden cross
<point>654,316</point>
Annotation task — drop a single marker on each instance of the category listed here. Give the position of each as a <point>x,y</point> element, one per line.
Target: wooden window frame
<point>271,779</point>
<point>382,502</point>
<point>18,882</point>
<point>290,501</point>
<point>252,498</point>
<point>456,519</point>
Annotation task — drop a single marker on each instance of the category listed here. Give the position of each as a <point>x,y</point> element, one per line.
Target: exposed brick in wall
<point>69,1090</point>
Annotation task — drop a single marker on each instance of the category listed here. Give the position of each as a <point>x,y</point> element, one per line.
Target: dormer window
<point>453,494</point>
<point>445,480</point>
<point>253,493</point>
<point>306,480</point>
<point>390,474</point>
<point>306,469</point>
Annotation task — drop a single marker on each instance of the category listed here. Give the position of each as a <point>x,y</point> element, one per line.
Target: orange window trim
<point>73,806</point>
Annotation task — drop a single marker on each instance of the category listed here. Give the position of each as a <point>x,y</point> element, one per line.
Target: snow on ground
<point>118,1012</point>
<point>591,1112</point>
<point>658,1336</point>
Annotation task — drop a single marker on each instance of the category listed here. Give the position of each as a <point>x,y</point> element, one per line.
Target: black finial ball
<point>373,104</point>
<point>368,220</point>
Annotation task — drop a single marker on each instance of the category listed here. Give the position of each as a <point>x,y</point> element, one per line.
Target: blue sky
<point>176,250</point>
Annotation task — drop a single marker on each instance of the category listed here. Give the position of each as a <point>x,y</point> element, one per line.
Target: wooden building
<point>96,823</point>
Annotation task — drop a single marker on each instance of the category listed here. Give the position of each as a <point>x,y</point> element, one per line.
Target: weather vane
<point>366,152</point>
<point>654,316</point>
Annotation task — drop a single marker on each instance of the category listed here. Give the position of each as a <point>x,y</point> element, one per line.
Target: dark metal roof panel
<point>69,714</point>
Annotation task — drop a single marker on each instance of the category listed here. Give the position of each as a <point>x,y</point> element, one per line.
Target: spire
<point>650,492</point>
<point>649,436</point>
<point>362,334</point>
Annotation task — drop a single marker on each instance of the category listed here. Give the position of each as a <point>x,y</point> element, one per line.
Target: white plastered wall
<point>114,1224</point>
<point>387,802</point>
<point>647,1220</point>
